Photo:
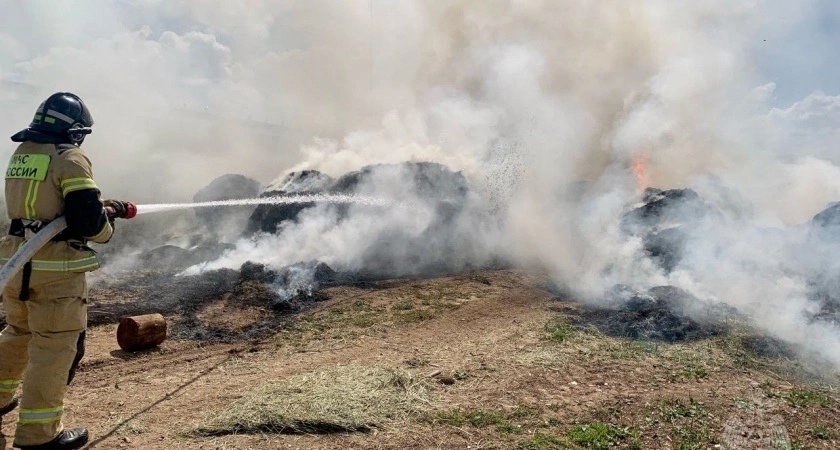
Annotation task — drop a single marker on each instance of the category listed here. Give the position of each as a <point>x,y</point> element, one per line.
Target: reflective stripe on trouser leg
<point>40,416</point>
<point>57,316</point>
<point>14,342</point>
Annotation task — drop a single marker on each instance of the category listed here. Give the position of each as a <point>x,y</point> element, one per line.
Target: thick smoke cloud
<point>543,105</point>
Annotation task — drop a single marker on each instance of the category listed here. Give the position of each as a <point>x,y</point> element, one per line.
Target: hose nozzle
<point>130,211</point>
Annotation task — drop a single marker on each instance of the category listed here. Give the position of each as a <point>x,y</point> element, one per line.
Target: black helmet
<point>63,115</point>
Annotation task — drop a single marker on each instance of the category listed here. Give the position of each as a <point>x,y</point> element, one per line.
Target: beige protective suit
<point>44,337</point>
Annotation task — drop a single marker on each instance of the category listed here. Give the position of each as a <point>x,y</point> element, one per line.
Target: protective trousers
<point>41,346</point>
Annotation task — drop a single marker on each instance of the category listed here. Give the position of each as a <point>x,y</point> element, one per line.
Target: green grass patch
<point>363,320</point>
<point>523,411</point>
<point>361,306</point>
<point>402,306</point>
<point>823,432</point>
<point>504,422</point>
<point>689,422</point>
<point>800,398</point>
<point>474,418</point>
<point>673,409</point>
<point>557,331</point>
<point>337,399</point>
<point>694,436</point>
<point>509,428</point>
<point>598,435</point>
<point>631,349</point>
<point>543,441</point>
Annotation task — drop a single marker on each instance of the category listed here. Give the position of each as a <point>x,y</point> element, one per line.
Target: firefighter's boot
<point>66,440</point>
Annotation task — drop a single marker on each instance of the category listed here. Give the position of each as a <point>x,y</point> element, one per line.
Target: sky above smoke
<point>543,104</point>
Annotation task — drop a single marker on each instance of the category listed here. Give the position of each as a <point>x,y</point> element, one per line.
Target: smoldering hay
<point>542,106</point>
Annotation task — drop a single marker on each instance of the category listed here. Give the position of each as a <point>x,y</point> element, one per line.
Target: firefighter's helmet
<point>63,115</point>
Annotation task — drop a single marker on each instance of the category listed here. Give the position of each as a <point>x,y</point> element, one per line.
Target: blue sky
<point>805,56</point>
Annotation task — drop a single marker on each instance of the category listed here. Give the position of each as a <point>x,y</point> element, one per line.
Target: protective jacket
<point>43,181</point>
<point>46,302</point>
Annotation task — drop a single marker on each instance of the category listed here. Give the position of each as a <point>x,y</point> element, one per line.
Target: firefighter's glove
<point>120,208</point>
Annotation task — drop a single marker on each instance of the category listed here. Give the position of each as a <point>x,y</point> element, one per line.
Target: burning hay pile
<point>429,248</point>
<point>429,229</point>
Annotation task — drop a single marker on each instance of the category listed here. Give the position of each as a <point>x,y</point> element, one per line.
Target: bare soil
<point>509,366</point>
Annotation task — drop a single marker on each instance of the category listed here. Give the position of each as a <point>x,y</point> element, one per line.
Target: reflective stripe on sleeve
<point>43,415</point>
<point>103,233</point>
<point>31,197</point>
<point>76,184</point>
<point>7,386</point>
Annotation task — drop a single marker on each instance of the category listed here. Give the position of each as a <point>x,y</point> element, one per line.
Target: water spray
<point>32,245</point>
<point>274,200</point>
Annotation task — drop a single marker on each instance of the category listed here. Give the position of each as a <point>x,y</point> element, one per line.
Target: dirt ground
<point>522,376</point>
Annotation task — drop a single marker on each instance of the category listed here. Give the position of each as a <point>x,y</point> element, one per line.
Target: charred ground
<point>501,361</point>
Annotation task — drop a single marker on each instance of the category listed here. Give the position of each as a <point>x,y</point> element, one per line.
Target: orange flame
<point>639,167</point>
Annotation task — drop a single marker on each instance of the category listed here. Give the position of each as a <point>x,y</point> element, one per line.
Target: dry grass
<point>337,399</point>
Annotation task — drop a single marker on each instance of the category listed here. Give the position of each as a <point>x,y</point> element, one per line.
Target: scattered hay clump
<point>338,399</point>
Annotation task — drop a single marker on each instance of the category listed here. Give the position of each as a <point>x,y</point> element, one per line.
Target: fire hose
<point>44,235</point>
<point>39,239</point>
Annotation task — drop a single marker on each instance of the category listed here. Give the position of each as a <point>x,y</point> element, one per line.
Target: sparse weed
<point>597,435</point>
<point>445,306</point>
<point>823,432</point>
<point>542,441</point>
<point>460,374</point>
<point>509,428</point>
<point>673,409</point>
<point>690,431</point>
<point>800,398</point>
<point>688,374</point>
<point>523,411</point>
<point>402,306</point>
<point>414,315</point>
<point>557,331</point>
<point>363,320</point>
<point>694,436</point>
<point>361,306</point>
<point>427,297</point>
<point>474,418</point>
<point>631,349</point>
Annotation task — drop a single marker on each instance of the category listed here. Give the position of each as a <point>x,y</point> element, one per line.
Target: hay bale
<point>266,218</point>
<point>225,223</point>
<point>666,221</point>
<point>337,399</point>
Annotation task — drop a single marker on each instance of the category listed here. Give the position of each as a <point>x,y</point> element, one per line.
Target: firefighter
<point>46,302</point>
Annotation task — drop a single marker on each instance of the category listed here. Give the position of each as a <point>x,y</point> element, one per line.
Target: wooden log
<point>141,332</point>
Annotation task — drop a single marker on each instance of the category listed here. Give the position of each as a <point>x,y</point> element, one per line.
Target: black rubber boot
<point>66,440</point>
<point>9,407</point>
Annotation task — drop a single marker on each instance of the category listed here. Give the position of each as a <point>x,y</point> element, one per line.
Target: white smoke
<point>541,104</point>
